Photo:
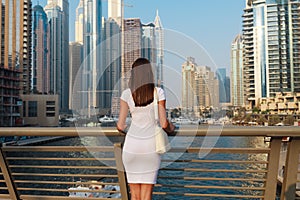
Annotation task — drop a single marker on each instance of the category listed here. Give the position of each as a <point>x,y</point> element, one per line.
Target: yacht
<point>88,191</point>
<point>106,119</point>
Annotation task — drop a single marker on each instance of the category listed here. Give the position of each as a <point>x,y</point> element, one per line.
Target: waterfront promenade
<point>243,169</point>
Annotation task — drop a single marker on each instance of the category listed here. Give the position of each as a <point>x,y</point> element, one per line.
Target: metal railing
<point>46,172</point>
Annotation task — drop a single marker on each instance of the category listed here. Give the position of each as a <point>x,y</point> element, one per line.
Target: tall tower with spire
<point>79,23</point>
<point>159,33</point>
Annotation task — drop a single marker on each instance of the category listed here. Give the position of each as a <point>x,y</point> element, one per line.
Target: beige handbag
<point>161,137</point>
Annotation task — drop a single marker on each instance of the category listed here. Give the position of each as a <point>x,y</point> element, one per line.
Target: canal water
<point>173,176</point>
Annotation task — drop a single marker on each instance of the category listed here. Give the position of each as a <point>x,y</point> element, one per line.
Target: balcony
<point>46,171</point>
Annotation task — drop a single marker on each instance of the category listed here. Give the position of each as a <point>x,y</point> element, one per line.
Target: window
<point>50,103</point>
<point>32,108</point>
<point>24,108</point>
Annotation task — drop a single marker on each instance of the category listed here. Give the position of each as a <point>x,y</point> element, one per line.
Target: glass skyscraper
<point>271,48</point>
<point>57,12</point>
<point>237,91</point>
<point>92,66</point>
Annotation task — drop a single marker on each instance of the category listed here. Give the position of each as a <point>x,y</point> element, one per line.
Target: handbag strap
<point>155,100</point>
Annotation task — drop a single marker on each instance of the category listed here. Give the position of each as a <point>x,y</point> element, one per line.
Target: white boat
<point>106,119</point>
<point>182,121</point>
<point>95,190</point>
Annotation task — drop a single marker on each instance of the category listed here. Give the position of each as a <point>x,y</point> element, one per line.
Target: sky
<point>203,29</point>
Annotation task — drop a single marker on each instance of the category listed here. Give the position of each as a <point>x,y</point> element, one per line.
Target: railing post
<point>273,159</point>
<point>121,171</point>
<point>288,191</point>
<point>13,193</point>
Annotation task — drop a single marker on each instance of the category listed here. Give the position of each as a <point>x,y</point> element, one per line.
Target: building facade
<point>76,57</point>
<point>79,22</point>
<point>40,51</point>
<point>15,58</point>
<point>40,110</point>
<point>271,49</point>
<point>149,43</point>
<point>92,67</point>
<point>159,45</point>
<point>236,60</point>
<point>57,12</point>
<point>115,10</point>
<point>131,47</point>
<point>200,89</point>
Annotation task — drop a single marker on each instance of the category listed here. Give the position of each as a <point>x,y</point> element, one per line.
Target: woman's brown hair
<point>141,82</point>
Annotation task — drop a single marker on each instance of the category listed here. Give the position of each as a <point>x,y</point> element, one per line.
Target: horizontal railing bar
<point>221,150</point>
<point>4,196</point>
<point>61,167</point>
<point>59,148</point>
<point>213,178</point>
<point>214,170</point>
<point>66,190</point>
<point>219,161</point>
<point>209,195</point>
<point>110,148</point>
<point>65,182</point>
<point>36,197</point>
<point>211,187</point>
<point>3,188</point>
<point>59,158</point>
<point>67,175</point>
<point>200,131</point>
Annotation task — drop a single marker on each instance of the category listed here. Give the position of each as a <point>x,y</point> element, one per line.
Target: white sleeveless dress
<point>140,160</point>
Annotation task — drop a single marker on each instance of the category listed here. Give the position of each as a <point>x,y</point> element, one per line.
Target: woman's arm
<point>121,125</point>
<point>164,123</point>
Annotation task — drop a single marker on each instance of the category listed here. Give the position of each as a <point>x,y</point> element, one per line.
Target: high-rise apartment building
<point>200,88</point>
<point>15,58</point>
<point>115,10</point>
<point>149,42</point>
<point>112,63</point>
<point>188,86</point>
<point>79,22</point>
<point>271,49</point>
<point>76,57</point>
<point>159,37</point>
<point>92,68</point>
<point>58,19</point>
<point>40,54</point>
<point>131,47</point>
<point>237,89</point>
<point>221,76</point>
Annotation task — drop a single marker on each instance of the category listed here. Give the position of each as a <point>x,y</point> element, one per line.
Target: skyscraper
<point>221,76</point>
<point>92,67</point>
<point>15,58</point>
<point>57,12</point>
<point>40,42</point>
<point>131,46</point>
<point>149,42</point>
<point>112,63</point>
<point>79,22</point>
<point>271,52</point>
<point>115,10</point>
<point>159,37</point>
<point>237,92</point>
<point>200,88</point>
<point>188,86</point>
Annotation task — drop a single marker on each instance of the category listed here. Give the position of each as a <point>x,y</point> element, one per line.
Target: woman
<point>140,159</point>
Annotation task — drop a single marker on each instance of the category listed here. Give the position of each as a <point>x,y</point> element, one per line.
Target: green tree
<point>274,119</point>
<point>289,120</point>
<point>261,119</point>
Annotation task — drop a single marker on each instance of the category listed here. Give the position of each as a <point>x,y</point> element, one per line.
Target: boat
<point>182,121</point>
<point>94,189</point>
<point>106,119</point>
